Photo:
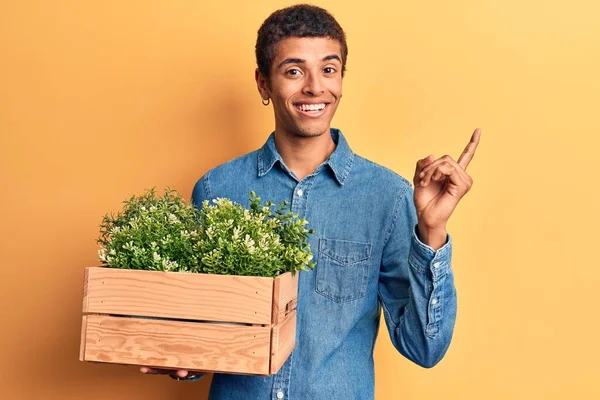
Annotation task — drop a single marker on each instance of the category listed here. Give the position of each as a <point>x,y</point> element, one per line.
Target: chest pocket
<point>342,269</point>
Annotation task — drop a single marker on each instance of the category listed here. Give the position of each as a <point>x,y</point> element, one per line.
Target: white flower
<point>169,265</point>
<point>112,252</point>
<point>156,256</point>
<point>222,202</point>
<point>249,243</point>
<point>102,254</point>
<point>173,218</point>
<point>247,215</point>
<point>166,239</point>
<point>262,243</point>
<point>153,208</point>
<point>236,232</point>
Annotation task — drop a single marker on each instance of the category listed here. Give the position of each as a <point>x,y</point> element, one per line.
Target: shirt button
<point>299,193</point>
<point>434,301</point>
<point>280,395</point>
<point>436,264</point>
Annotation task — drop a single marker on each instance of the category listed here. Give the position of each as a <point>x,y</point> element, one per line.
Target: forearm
<point>424,329</point>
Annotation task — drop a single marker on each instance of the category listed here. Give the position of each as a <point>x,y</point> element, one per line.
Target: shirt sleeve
<point>201,191</point>
<point>416,288</point>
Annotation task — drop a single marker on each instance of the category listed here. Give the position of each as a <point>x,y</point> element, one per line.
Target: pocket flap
<point>344,251</point>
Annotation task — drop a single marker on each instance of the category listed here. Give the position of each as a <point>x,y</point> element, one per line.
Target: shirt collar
<point>340,161</point>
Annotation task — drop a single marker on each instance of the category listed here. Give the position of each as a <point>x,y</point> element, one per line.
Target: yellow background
<point>101,100</point>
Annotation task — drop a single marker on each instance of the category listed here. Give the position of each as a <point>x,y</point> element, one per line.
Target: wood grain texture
<point>85,290</point>
<point>82,342</point>
<point>283,341</point>
<point>192,296</point>
<point>176,344</point>
<point>285,295</point>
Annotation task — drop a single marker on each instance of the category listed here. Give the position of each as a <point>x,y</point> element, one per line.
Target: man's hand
<point>181,373</point>
<point>439,186</point>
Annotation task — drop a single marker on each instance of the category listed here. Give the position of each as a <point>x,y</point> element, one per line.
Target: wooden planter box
<point>203,322</point>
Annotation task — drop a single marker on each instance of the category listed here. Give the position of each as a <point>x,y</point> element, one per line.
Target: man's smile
<point>313,110</point>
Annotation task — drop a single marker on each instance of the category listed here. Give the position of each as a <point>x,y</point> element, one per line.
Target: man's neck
<point>302,155</point>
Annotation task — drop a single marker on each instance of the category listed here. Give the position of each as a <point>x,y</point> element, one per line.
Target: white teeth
<point>311,107</point>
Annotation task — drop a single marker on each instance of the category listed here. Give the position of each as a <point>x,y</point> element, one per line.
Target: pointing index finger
<point>467,155</point>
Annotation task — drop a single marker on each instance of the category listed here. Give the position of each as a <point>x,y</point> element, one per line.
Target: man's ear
<point>263,85</point>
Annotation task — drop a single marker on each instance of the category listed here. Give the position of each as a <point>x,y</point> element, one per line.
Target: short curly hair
<point>301,20</point>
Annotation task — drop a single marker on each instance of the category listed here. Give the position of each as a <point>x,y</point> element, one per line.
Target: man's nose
<point>314,86</point>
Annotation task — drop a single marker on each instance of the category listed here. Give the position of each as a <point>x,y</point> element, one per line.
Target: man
<point>379,244</point>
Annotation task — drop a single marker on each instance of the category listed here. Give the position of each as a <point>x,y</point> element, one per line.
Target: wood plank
<point>82,342</point>
<point>283,341</point>
<point>176,344</point>
<point>285,295</point>
<point>179,295</point>
<point>85,289</point>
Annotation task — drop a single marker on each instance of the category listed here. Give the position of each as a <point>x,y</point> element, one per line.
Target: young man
<point>379,243</point>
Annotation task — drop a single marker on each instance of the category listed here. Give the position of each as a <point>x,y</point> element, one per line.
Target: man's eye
<point>293,72</point>
<point>329,70</point>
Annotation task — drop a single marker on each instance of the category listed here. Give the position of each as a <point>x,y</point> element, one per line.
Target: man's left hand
<point>439,186</point>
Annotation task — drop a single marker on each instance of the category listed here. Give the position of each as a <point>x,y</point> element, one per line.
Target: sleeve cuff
<point>423,258</point>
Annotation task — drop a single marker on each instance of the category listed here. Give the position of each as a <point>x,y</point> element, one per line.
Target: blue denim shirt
<point>368,258</point>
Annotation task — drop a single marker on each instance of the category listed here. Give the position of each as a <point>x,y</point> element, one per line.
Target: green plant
<point>256,241</point>
<point>152,233</point>
<point>170,234</point>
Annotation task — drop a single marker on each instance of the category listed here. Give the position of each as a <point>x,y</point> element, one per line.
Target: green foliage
<point>169,234</point>
<point>151,233</point>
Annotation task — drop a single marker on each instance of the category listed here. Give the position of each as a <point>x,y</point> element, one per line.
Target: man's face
<point>305,85</point>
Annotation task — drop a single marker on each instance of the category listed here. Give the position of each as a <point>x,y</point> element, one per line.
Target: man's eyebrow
<point>291,61</point>
<point>332,57</point>
<point>301,61</point>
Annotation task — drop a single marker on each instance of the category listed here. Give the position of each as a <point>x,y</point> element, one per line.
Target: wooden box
<point>202,322</point>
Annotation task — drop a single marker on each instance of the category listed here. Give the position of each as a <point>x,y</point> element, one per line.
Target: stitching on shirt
<point>438,309</point>
<point>395,217</point>
<point>309,186</point>
<point>328,252</point>
<point>432,330</point>
<point>347,167</point>
<point>388,234</point>
<point>264,168</point>
<point>407,308</point>
<point>289,373</point>
<point>260,163</point>
<point>346,262</point>
<point>386,312</point>
<point>207,185</point>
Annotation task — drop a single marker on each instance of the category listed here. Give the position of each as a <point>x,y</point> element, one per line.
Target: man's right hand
<point>181,373</point>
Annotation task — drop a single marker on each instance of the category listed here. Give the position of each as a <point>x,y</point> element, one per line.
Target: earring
<point>267,103</point>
